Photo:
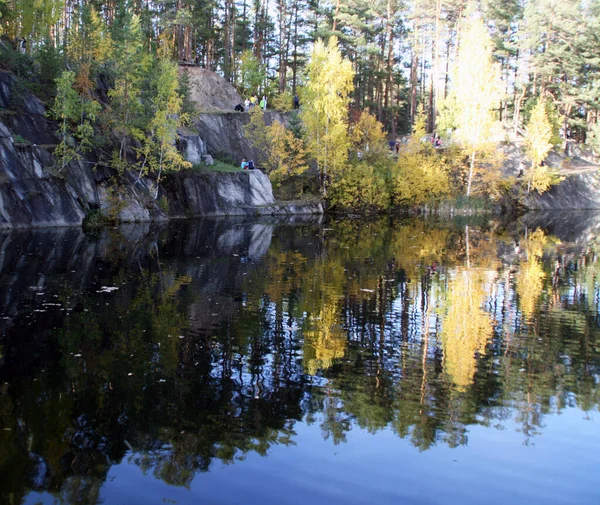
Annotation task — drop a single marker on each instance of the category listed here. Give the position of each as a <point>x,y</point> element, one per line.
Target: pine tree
<point>131,64</point>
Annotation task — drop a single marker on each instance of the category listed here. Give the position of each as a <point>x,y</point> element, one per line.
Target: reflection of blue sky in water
<point>494,468</point>
<point>201,361</point>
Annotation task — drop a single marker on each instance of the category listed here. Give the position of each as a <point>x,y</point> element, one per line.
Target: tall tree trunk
<point>283,43</point>
<point>414,79</point>
<point>335,15</point>
<point>295,59</point>
<point>388,98</point>
<point>471,170</point>
<point>436,64</point>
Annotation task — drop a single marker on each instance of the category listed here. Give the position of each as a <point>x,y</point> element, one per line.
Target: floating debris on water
<point>107,289</point>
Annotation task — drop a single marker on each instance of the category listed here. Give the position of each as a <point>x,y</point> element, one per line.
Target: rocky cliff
<point>576,192</point>
<point>34,192</point>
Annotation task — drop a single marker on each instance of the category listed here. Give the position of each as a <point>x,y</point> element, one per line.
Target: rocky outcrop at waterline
<point>35,192</point>
<point>578,191</point>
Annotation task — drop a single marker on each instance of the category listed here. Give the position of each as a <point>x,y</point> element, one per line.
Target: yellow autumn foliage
<point>530,280</point>
<point>538,144</point>
<point>287,156</point>
<point>359,186</point>
<point>368,139</point>
<point>419,178</point>
<point>466,327</point>
<point>324,341</point>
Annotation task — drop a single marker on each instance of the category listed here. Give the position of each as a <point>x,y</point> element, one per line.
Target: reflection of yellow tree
<point>466,327</point>
<point>324,341</point>
<point>531,276</point>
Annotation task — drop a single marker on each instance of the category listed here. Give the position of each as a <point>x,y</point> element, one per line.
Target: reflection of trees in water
<point>416,328</point>
<point>467,326</point>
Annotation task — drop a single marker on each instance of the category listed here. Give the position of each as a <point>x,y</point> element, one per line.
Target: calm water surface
<point>231,362</point>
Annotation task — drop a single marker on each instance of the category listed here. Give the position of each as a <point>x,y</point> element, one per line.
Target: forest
<point>472,73</point>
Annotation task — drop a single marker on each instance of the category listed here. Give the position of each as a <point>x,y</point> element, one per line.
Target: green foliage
<point>252,74</point>
<point>94,220</point>
<point>217,166</point>
<point>160,149</point>
<point>281,153</point>
<point>552,115</point>
<point>593,138</point>
<point>89,40</point>
<point>163,204</point>
<point>116,203</point>
<point>283,102</point>
<point>449,114</point>
<point>50,62</point>
<point>257,132</point>
<point>67,109</point>
<point>131,65</point>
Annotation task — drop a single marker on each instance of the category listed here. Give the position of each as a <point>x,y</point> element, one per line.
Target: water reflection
<point>176,347</point>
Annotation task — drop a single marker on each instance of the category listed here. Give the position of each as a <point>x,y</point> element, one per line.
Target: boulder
<point>209,91</point>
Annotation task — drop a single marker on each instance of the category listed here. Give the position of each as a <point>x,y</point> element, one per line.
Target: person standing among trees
<point>263,103</point>
<point>296,102</point>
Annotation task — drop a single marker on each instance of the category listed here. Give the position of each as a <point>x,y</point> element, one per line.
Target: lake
<point>223,361</point>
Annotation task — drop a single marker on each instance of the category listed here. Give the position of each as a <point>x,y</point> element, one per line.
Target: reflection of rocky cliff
<point>101,320</point>
<point>569,226</point>
<point>196,342</point>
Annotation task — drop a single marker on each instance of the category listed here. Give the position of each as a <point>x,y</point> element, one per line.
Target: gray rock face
<point>193,194</point>
<point>35,192</point>
<point>224,137</point>
<point>30,103</point>
<point>210,91</point>
<point>192,146</point>
<point>576,192</point>
<point>29,195</point>
<point>7,81</point>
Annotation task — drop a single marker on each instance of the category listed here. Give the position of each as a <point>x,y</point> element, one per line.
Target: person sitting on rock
<point>239,108</point>
<point>244,165</point>
<point>251,165</point>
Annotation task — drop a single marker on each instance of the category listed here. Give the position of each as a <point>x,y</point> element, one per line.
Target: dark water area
<point>351,362</point>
